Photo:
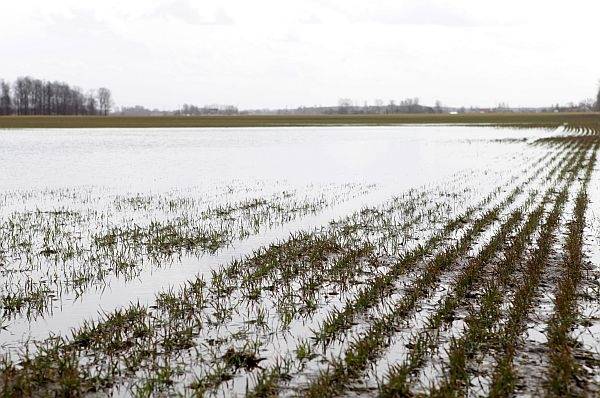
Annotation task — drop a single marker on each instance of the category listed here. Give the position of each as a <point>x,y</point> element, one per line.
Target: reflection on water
<point>343,169</point>
<point>159,159</point>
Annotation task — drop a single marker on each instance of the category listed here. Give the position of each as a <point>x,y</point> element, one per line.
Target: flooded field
<point>301,261</point>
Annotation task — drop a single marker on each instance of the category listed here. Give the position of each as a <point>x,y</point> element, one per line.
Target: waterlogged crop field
<point>303,261</point>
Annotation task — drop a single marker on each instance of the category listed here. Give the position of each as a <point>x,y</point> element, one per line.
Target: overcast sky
<point>254,54</point>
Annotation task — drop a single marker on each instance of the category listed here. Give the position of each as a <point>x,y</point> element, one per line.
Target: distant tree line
<point>139,110</point>
<point>348,107</point>
<point>185,110</point>
<point>409,105</point>
<point>29,96</point>
<point>193,110</point>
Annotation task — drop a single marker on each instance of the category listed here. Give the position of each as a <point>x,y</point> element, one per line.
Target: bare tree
<point>438,106</point>
<point>586,105</point>
<point>5,101</point>
<point>391,108</point>
<point>91,104</point>
<point>597,107</point>
<point>38,97</point>
<point>344,105</point>
<point>22,95</point>
<point>104,100</point>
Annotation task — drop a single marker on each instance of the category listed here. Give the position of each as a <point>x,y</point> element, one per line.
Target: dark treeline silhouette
<point>29,96</point>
